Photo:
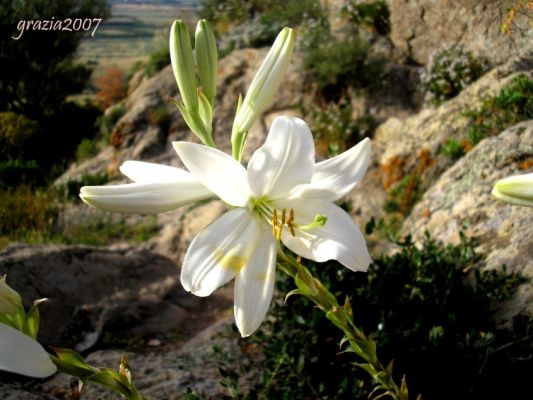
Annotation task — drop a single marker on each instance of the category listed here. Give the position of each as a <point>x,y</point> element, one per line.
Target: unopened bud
<point>515,190</point>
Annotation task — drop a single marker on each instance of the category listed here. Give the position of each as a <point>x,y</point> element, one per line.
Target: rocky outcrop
<point>401,145</point>
<point>169,373</point>
<point>460,199</point>
<point>421,27</point>
<point>93,292</point>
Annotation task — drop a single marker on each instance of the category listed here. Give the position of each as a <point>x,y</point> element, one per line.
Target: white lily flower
<point>282,196</point>
<point>22,355</point>
<point>515,190</point>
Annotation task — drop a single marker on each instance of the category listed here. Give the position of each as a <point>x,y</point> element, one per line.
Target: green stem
<point>341,316</point>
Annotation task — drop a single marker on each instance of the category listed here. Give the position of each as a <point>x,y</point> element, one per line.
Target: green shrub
<point>71,189</point>
<point>157,61</point>
<point>335,64</point>
<point>107,122</point>
<point>17,172</point>
<point>424,306</point>
<point>513,104</point>
<point>448,72</point>
<point>255,23</point>
<point>374,14</point>
<point>86,149</point>
<point>160,117</point>
<point>15,132</point>
<point>453,149</point>
<point>334,127</point>
<point>24,210</point>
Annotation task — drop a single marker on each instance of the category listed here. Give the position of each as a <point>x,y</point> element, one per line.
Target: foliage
<point>37,88</point>
<point>86,149</point>
<point>15,132</point>
<point>334,127</point>
<point>34,216</point>
<point>255,23</point>
<point>424,306</point>
<point>157,61</point>
<point>160,117</point>
<point>453,149</point>
<point>112,87</point>
<point>374,14</point>
<point>107,122</point>
<point>70,190</point>
<point>448,72</point>
<point>334,64</point>
<point>24,210</point>
<point>513,104</point>
<point>16,172</point>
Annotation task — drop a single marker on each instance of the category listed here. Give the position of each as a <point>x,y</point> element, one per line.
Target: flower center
<point>280,219</point>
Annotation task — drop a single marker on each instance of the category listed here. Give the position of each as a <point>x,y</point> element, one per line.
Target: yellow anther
<point>274,222</point>
<point>283,215</point>
<point>278,233</point>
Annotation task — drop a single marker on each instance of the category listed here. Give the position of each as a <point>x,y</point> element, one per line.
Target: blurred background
<point>443,89</point>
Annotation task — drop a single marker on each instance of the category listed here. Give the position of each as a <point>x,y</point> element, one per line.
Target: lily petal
<point>254,286</point>
<point>22,355</point>
<point>219,252</point>
<point>339,239</point>
<point>340,174</point>
<point>145,172</point>
<point>284,161</point>
<point>144,198</point>
<point>219,172</point>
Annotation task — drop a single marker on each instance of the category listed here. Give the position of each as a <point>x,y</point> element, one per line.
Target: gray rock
<point>124,292</point>
<point>420,27</point>
<point>461,198</point>
<point>399,144</point>
<point>167,373</point>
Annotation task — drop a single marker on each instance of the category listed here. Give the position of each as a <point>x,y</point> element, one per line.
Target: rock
<point>421,27</point>
<point>167,373</point>
<point>461,198</point>
<point>91,292</point>
<point>400,147</point>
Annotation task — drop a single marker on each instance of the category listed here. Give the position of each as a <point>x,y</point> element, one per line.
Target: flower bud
<point>10,300</point>
<point>262,88</point>
<point>515,190</point>
<point>205,50</point>
<point>182,61</point>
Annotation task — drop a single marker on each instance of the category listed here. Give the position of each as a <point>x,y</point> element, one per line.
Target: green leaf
<point>31,322</point>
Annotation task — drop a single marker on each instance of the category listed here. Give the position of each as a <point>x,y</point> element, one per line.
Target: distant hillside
<point>135,30</point>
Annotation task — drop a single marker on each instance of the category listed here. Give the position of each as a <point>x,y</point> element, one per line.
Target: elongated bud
<point>262,89</point>
<point>10,300</point>
<point>515,190</point>
<point>183,64</point>
<point>205,50</point>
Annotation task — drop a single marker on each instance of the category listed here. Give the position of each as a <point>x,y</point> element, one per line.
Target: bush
<point>112,87</point>
<point>17,172</point>
<point>71,189</point>
<point>374,14</point>
<point>255,23</point>
<point>513,104</point>
<point>157,61</point>
<point>24,210</point>
<point>424,306</point>
<point>160,117</point>
<point>15,132</point>
<point>335,129</point>
<point>107,122</point>
<point>448,72</point>
<point>86,149</point>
